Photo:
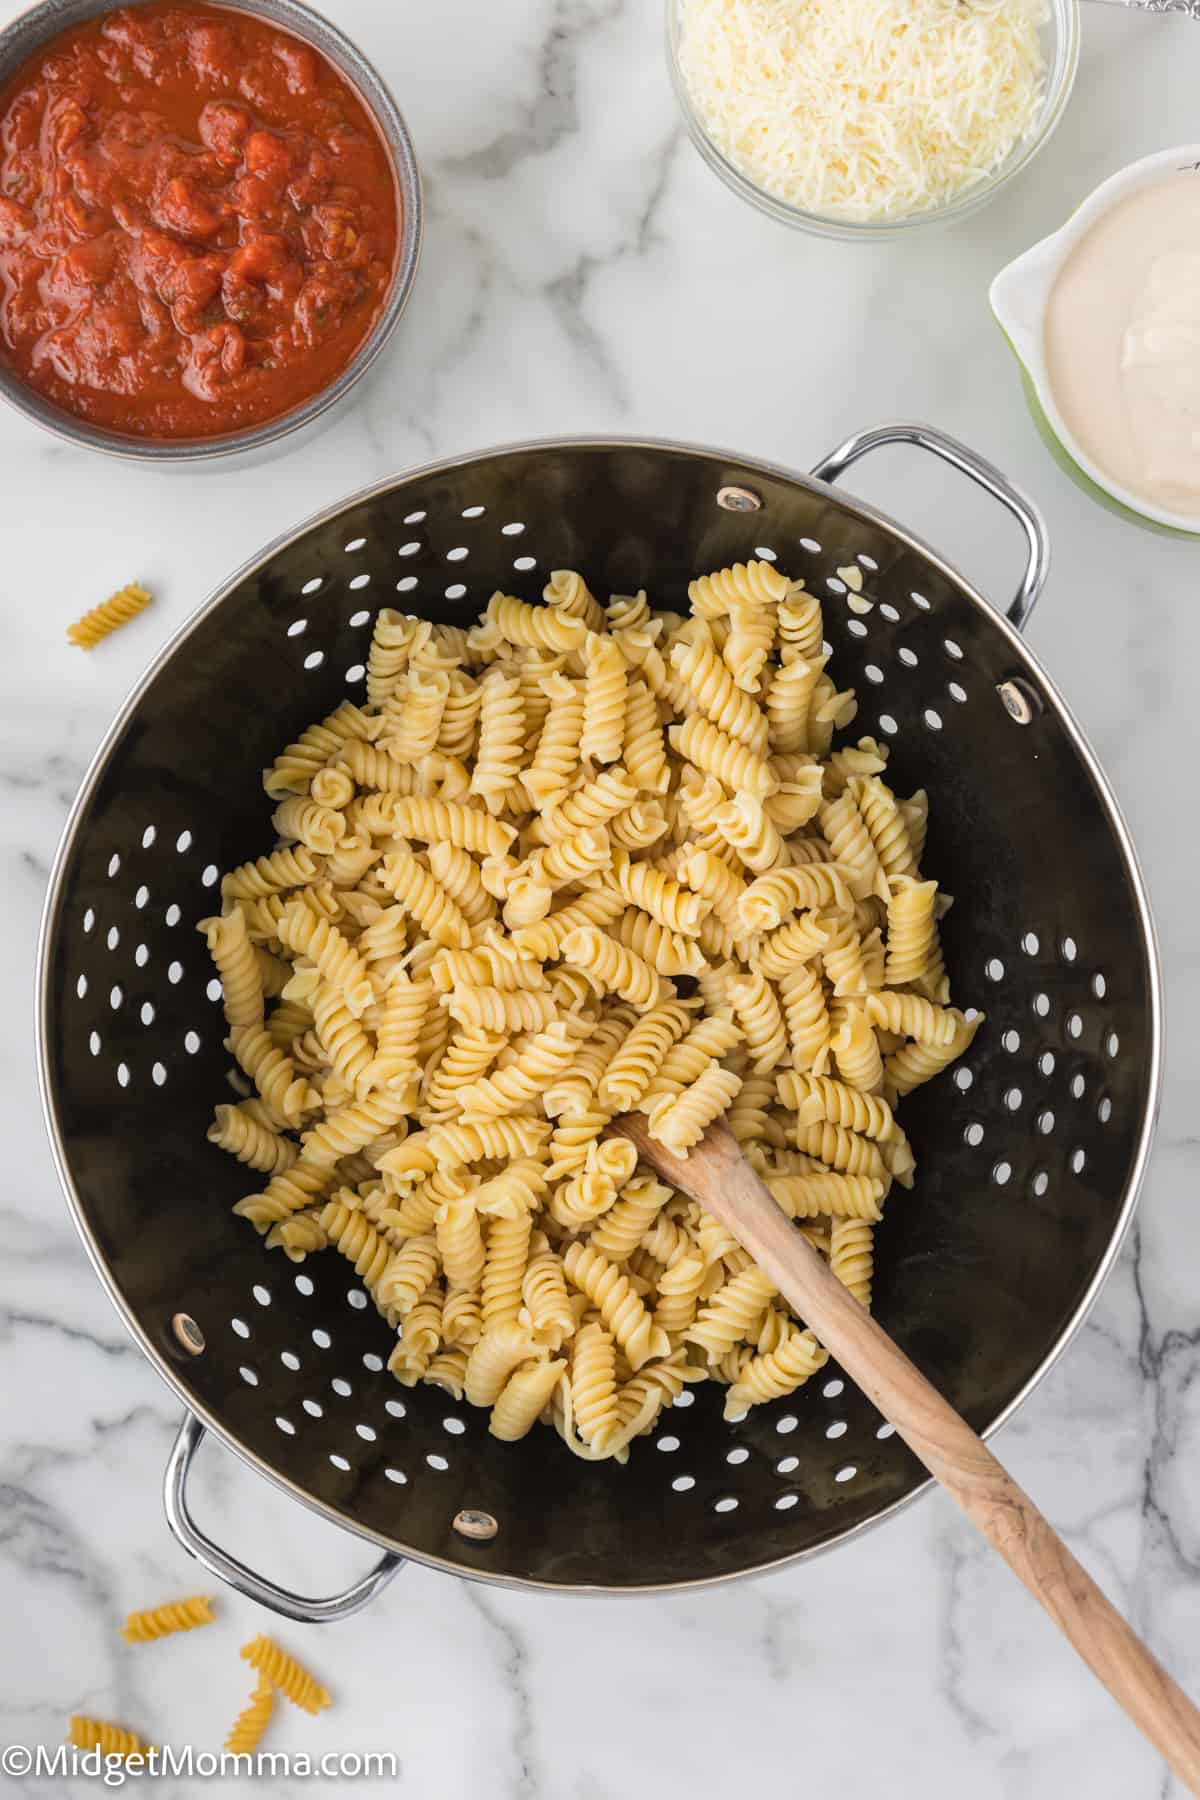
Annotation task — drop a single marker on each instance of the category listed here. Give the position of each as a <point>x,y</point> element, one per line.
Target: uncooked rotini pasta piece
<point>841,1150</point>
<point>680,1120</point>
<point>235,1130</point>
<point>603,700</point>
<point>523,1398</point>
<point>448,1370</point>
<point>913,1016</point>
<point>771,899</point>
<point>851,1256</point>
<point>246,1732</point>
<point>99,621</point>
<point>711,689</point>
<point>612,967</point>
<point>842,1196</point>
<point>756,1008</point>
<point>771,1374</point>
<point>241,980</point>
<point>111,1740</point>
<point>294,866</point>
<point>701,742</point>
<point>727,1317</point>
<point>644,753</point>
<point>502,1349</point>
<point>160,1621</point>
<point>816,1098</point>
<point>285,1674</point>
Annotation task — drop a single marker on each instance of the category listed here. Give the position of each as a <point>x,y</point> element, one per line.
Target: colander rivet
<point>738,499</point>
<point>188,1334</point>
<point>1018,701</point>
<point>477,1525</point>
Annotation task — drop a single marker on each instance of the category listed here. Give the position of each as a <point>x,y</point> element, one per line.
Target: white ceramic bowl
<point>1019,295</point>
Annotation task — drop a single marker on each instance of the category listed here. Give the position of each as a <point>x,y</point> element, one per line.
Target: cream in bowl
<point>1104,317</point>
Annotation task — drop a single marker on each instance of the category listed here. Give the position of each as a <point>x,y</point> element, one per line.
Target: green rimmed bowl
<point>1019,295</point>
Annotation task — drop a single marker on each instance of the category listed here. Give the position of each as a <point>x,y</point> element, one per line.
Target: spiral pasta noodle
<point>161,1621</point>
<point>287,1676</point>
<point>101,621</point>
<point>247,1731</point>
<point>100,1734</point>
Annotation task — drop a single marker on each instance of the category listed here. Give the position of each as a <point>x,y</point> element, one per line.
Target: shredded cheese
<point>864,109</point>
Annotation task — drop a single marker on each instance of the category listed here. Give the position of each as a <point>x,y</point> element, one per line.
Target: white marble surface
<point>583,272</point>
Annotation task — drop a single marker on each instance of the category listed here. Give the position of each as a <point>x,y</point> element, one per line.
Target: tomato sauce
<point>198,221</point>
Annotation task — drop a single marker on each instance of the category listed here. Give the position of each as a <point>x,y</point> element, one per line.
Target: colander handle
<point>985,474</point>
<point>227,1568</point>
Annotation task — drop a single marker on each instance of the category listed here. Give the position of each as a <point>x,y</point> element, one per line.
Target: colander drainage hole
<point>873,673</point>
<point>785,1502</point>
<point>1099,985</point>
<point>667,1444</point>
<point>113,938</point>
<point>175,975</point>
<point>341,1386</point>
<point>409,549</point>
<point>1112,1043</point>
<point>1078,1087</point>
<point>354,544</point>
<point>314,659</point>
<point>833,1388</point>
<point>123,1076</point>
<point>314,586</point>
<point>932,719</point>
<point>415,518</point>
<point>838,1429</point>
<point>1046,1063</point>
<point>114,866</point>
<point>396,1475</point>
<point>208,875</point>
<point>1041,1005</point>
<point>95,1043</point>
<point>141,897</point>
<point>888,724</point>
<point>339,1462</point>
<point>1001,1173</point>
<point>993,968</point>
<point>524,563</point>
<point>321,1339</point>
<point>886,1430</point>
<point>454,1426</point>
<point>725,1504</point>
<point>147,1013</point>
<point>240,1327</point>
<point>356,1298</point>
<point>303,1284</point>
<point>191,1042</point>
<point>787,1424</point>
<point>847,1473</point>
<point>158,1074</point>
<point>297,628</point>
<point>372,1362</point>
<point>973,1134</point>
<point>514,528</point>
<point>1040,1183</point>
<point>687,1398</point>
<point>473,512</point>
<point>261,1294</point>
<point>285,1425</point>
<point>963,1079</point>
<point>889,612</point>
<point>289,1359</point>
<point>1045,1122</point>
<point>397,1408</point>
<point>89,919</point>
<point>360,617</point>
<point>437,1462</point>
<point>1012,1098</point>
<point>739,1455</point>
<point>313,1408</point>
<point>1011,1041</point>
<point>367,1432</point>
<point>682,1483</point>
<point>360,581</point>
<point>355,672</point>
<point>248,1375</point>
<point>952,649</point>
<point>406,584</point>
<point>1078,1160</point>
<point>1104,1110</point>
<point>81,986</point>
<point>786,1464</point>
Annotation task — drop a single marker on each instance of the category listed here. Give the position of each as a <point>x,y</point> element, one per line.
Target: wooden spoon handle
<point>719,1177</point>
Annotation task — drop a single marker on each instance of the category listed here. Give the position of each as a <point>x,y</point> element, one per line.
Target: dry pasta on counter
<point>117,610</point>
<point>578,860</point>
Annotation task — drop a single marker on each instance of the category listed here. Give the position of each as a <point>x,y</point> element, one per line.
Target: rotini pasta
<point>285,1674</point>
<point>573,862</point>
<point>100,621</point>
<point>161,1621</point>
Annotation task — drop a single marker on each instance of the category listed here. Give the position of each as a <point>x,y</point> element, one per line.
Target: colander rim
<point>99,762</point>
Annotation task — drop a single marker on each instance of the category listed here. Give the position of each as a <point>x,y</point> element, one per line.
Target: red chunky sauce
<point>198,221</point>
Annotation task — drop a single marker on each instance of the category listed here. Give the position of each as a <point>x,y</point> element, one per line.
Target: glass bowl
<point>1060,39</point>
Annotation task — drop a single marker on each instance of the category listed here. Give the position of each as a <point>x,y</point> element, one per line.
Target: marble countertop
<point>583,272</point>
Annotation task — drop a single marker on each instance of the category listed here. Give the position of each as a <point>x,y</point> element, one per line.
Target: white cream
<point>1122,343</point>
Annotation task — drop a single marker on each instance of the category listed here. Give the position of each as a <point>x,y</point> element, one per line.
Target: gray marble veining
<point>584,272</point>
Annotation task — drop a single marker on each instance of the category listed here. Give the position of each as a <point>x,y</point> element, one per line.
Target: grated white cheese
<point>864,109</point>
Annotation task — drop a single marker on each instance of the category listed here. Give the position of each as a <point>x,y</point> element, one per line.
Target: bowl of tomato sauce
<point>210,220</point>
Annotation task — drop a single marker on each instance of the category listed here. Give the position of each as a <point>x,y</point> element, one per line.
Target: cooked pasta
<point>577,861</point>
<point>109,616</point>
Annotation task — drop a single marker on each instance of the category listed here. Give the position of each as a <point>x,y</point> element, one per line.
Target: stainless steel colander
<point>1030,1152</point>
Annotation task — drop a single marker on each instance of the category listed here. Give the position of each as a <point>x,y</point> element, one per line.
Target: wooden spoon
<point>717,1175</point>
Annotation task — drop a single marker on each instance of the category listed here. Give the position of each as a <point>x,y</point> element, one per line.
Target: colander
<point>1030,1152</point>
